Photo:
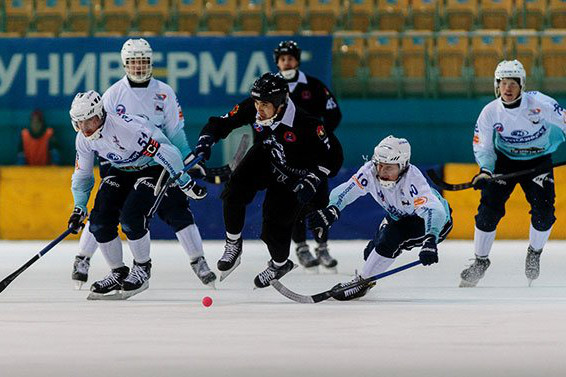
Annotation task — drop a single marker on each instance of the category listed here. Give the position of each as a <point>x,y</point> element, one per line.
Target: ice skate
<point>306,259</point>
<point>324,257</point>
<point>203,272</point>
<point>472,275</point>
<point>109,287</point>
<point>137,281</point>
<point>231,257</point>
<point>273,272</point>
<point>351,290</point>
<point>532,264</point>
<point>80,271</point>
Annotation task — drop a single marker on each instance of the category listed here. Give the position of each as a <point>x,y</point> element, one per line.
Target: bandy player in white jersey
<point>518,130</point>
<point>136,151</point>
<point>139,93</point>
<point>417,215</point>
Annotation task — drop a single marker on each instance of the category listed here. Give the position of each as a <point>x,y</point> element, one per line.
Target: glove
<point>198,170</point>
<point>305,188</point>
<point>275,150</point>
<point>323,218</point>
<point>429,252</point>
<point>204,146</point>
<point>194,191</point>
<point>76,221</point>
<point>479,181</point>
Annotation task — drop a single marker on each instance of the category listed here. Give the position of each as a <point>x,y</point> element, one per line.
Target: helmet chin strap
<point>511,102</point>
<point>266,122</point>
<point>289,74</point>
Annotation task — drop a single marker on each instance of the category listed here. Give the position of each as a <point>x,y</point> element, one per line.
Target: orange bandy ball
<point>206,301</point>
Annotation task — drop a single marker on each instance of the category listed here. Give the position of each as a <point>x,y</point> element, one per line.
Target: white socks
<point>140,248</point>
<point>537,239</point>
<point>375,264</point>
<point>483,242</point>
<point>112,252</point>
<point>87,243</point>
<point>191,241</point>
<point>233,237</point>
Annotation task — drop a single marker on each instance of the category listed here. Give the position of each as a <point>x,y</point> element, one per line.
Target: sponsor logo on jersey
<point>498,127</point>
<point>524,139</point>
<point>258,127</point>
<point>540,179</point>
<point>120,109</point>
<point>321,132</point>
<point>289,137</point>
<point>158,107</point>
<point>527,151</point>
<point>519,133</point>
<point>306,94</point>
<point>331,104</point>
<point>558,109</point>
<point>420,201</point>
<point>160,97</point>
<point>234,110</point>
<point>534,115</point>
<point>476,139</point>
<point>113,157</point>
<point>381,196</point>
<point>151,148</point>
<point>405,202</point>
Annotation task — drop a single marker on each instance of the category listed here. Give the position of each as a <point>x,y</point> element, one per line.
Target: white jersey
<point>128,143</point>
<point>157,103</point>
<point>533,129</point>
<point>412,195</point>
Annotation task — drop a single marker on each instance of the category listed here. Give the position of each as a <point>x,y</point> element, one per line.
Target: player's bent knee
<point>103,233</point>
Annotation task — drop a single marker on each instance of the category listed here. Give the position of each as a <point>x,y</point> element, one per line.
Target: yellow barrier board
<point>515,224</point>
<point>36,202</point>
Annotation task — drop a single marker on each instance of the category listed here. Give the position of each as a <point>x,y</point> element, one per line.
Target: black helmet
<point>270,88</point>
<point>287,48</point>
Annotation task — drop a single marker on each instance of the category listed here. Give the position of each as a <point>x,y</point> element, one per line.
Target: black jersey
<point>311,95</point>
<point>306,142</point>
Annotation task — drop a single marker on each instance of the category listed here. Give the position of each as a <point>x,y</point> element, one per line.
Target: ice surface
<point>415,323</point>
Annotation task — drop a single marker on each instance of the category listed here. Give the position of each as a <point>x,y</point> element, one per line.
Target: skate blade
<point>330,270</point>
<point>78,284</point>
<point>114,295</point>
<point>127,294</point>
<point>530,282</point>
<point>225,274</point>
<point>467,284</point>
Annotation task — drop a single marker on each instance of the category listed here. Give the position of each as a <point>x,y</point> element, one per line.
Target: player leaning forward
<point>416,213</point>
<point>518,130</point>
<point>137,152</point>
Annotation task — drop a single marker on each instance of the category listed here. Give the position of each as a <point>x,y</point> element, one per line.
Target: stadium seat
<point>189,13</point>
<point>73,34</point>
<point>391,14</point>
<point>424,14</point>
<point>40,34</point>
<point>530,13</point>
<point>452,50</point>
<point>461,14</point>
<point>348,51</point>
<point>382,53</point>
<point>416,49</point>
<point>49,15</point>
<point>17,15</point>
<point>523,44</point>
<point>495,14</point>
<point>487,51</point>
<point>323,14</point>
<point>557,13</point>
<point>288,14</point>
<point>117,15</point>
<point>79,16</point>
<point>221,15</point>
<point>553,53</point>
<point>253,14</point>
<point>152,15</point>
<point>360,14</point>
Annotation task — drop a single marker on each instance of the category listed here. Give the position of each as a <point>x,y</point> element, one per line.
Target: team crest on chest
<point>306,94</point>
<point>289,137</point>
<point>120,109</point>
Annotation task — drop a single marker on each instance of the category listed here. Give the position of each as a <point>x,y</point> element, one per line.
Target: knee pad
<point>177,218</point>
<point>488,218</point>
<point>134,229</point>
<point>543,220</point>
<point>103,233</point>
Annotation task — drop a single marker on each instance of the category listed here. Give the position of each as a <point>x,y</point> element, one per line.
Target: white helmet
<point>137,59</point>
<point>85,106</point>
<point>509,69</point>
<point>392,150</point>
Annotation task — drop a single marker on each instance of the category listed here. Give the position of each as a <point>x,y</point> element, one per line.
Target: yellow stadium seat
<point>360,14</point>
<point>253,14</point>
<point>49,15</point>
<point>553,53</point>
<point>557,13</point>
<point>17,15</point>
<point>416,49</point>
<point>189,13</point>
<point>152,15</point>
<point>461,14</point>
<point>288,14</point>
<point>391,14</point>
<point>487,52</point>
<point>73,34</point>
<point>220,15</point>
<point>79,16</point>
<point>40,34</point>
<point>382,53</point>
<point>495,14</point>
<point>424,14</point>
<point>348,50</point>
<point>117,15</point>
<point>323,14</point>
<point>530,13</point>
<point>524,46</point>
<point>451,53</point>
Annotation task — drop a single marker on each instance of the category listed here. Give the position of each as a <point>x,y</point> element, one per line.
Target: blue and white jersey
<point>128,143</point>
<point>157,102</point>
<point>533,129</point>
<point>412,195</point>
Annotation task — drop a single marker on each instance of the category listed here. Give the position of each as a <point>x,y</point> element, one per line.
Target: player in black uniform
<point>311,95</point>
<point>292,155</point>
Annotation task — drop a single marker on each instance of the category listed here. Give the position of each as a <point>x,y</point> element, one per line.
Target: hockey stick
<point>464,186</point>
<point>222,173</point>
<point>313,299</point>
<point>4,283</point>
